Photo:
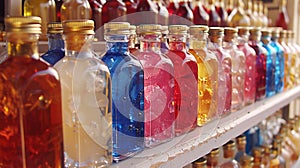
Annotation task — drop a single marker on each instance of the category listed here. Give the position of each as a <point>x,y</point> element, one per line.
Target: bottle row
<point>97,108</point>
<point>272,143</point>
<point>210,12</point>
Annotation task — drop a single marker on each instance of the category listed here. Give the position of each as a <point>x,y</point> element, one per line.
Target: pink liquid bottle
<point>250,69</point>
<point>201,17</point>
<point>261,58</point>
<point>224,69</point>
<point>237,68</point>
<point>113,9</point>
<point>186,85</point>
<point>172,8</point>
<point>158,87</point>
<point>214,18</point>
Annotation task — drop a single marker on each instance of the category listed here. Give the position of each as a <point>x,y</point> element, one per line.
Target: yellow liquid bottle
<point>207,74</point>
<point>75,9</point>
<point>238,16</point>
<point>46,9</point>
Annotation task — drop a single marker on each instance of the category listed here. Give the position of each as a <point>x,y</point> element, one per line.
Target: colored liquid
<point>214,18</point>
<point>112,9</point>
<point>31,117</point>
<point>279,67</point>
<point>75,9</point>
<point>260,67</point>
<point>270,66</point>
<point>96,13</point>
<point>172,8</point>
<point>185,12</point>
<point>131,7</point>
<point>207,85</point>
<point>58,4</point>
<point>186,87</point>
<point>56,49</point>
<point>128,100</point>
<point>152,12</point>
<point>283,19</point>
<point>200,15</point>
<point>223,15</point>
<point>250,73</point>
<point>159,96</point>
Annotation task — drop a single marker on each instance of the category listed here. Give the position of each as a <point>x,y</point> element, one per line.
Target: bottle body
<point>201,17</point>
<point>287,58</point>
<point>56,49</point>
<point>283,17</point>
<point>279,69</point>
<point>127,98</point>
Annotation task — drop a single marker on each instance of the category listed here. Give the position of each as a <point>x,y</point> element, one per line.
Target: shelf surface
<point>185,149</point>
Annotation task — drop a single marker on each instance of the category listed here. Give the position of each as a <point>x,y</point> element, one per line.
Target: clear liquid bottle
<point>158,87</point>
<point>75,9</point>
<point>287,58</point>
<point>213,158</point>
<point>279,65</point>
<point>228,155</point>
<point>214,18</point>
<point>271,62</point>
<point>283,17</point>
<point>250,68</point>
<point>113,9</point>
<point>31,114</point>
<point>241,147</point>
<point>186,83</point>
<point>46,9</point>
<point>246,161</point>
<point>238,17</point>
<point>56,49</point>
<point>220,7</point>
<point>127,92</point>
<point>224,70</point>
<point>201,17</point>
<point>207,74</point>
<point>200,163</point>
<point>86,98</point>
<point>261,58</point>
<point>237,68</point>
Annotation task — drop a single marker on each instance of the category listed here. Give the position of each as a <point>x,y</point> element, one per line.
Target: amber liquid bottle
<point>30,109</point>
<point>238,16</point>
<point>213,158</point>
<point>75,9</point>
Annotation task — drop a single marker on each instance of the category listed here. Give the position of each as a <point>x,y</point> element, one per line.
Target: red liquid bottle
<point>131,8</point>
<point>283,17</point>
<point>96,13</point>
<point>151,12</point>
<point>112,9</point>
<point>229,6</point>
<point>185,12</point>
<point>163,14</point>
<point>158,87</point>
<point>222,13</point>
<point>214,18</point>
<point>250,70</point>
<point>172,8</point>
<point>186,85</point>
<point>261,54</point>
<point>201,17</point>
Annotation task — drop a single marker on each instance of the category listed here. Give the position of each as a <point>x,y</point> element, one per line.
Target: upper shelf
<point>185,149</point>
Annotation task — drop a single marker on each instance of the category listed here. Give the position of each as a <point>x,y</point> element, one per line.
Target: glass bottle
<point>172,9</point>
<point>229,6</point>
<point>246,161</point>
<point>294,76</point>
<point>297,49</point>
<point>207,74</point>
<point>56,45</point>
<point>164,39</point>
<point>163,14</point>
<point>241,147</point>
<point>266,154</point>
<point>200,163</point>
<point>220,7</point>
<point>258,22</point>
<point>184,11</point>
<point>224,70</point>
<point>257,153</point>
<point>277,145</point>
<point>75,9</point>
<point>213,158</point>
<point>158,87</point>
<point>186,83</point>
<point>261,56</point>
<point>238,16</point>
<point>237,68</point>
<point>260,9</point>
<point>46,9</point>
<point>287,58</point>
<point>58,4</point>
<point>152,12</point>
<point>279,65</point>
<point>270,62</point>
<point>31,115</point>
<point>131,7</point>
<point>113,9</point>
<point>127,92</point>
<point>86,101</point>
<point>214,18</point>
<point>289,144</point>
<point>250,70</point>
<point>249,13</point>
<point>293,134</point>
<point>201,17</point>
<point>283,17</point>
<point>132,41</point>
<point>96,8</point>
<point>266,17</point>
<point>228,155</point>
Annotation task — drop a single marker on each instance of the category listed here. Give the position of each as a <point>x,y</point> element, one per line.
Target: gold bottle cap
<point>275,31</point>
<point>200,163</point>
<point>283,34</point>
<point>243,31</point>
<point>149,29</point>
<point>132,29</point>
<point>266,32</point>
<point>198,29</point>
<point>164,30</point>
<point>113,28</point>
<point>78,26</point>
<point>178,29</point>
<point>241,139</point>
<point>246,160</point>
<point>27,24</point>
<point>229,145</point>
<point>214,152</point>
<point>55,28</point>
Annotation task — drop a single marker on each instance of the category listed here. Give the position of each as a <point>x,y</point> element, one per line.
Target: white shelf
<point>187,148</point>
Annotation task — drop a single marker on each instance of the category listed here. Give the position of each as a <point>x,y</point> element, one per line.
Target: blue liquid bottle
<point>271,62</point>
<point>56,44</point>
<point>279,69</point>
<point>127,92</point>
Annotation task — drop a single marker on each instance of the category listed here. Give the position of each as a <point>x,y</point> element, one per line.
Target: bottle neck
<point>215,41</point>
<point>117,43</point>
<point>55,41</point>
<point>241,147</point>
<point>198,41</point>
<point>22,44</point>
<point>265,39</point>
<point>228,154</point>
<point>177,42</point>
<point>243,39</point>
<point>254,39</point>
<point>150,42</point>
<point>275,39</point>
<point>76,43</point>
